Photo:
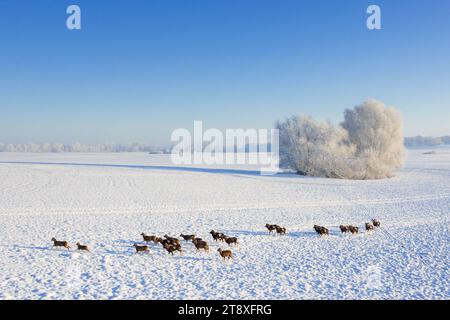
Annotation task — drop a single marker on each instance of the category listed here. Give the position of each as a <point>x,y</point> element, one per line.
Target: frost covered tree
<point>367,145</point>
<point>314,148</point>
<point>377,133</point>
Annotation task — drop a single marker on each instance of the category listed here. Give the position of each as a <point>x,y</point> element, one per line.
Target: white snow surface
<point>107,200</point>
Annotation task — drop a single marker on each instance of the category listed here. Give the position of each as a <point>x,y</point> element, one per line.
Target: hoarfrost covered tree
<point>368,145</point>
<point>377,133</point>
<point>314,148</point>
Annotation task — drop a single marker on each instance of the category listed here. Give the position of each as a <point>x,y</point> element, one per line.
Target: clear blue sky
<point>139,69</point>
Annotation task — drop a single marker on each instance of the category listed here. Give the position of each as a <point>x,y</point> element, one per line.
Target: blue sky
<point>139,69</point>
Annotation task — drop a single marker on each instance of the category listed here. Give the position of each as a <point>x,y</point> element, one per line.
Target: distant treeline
<point>78,147</point>
<point>420,141</point>
<point>104,148</point>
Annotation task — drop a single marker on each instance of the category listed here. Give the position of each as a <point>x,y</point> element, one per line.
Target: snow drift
<point>367,145</point>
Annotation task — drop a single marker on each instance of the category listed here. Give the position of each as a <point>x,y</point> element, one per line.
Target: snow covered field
<point>107,200</point>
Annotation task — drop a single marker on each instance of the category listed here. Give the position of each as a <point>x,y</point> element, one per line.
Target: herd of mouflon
<point>172,244</point>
